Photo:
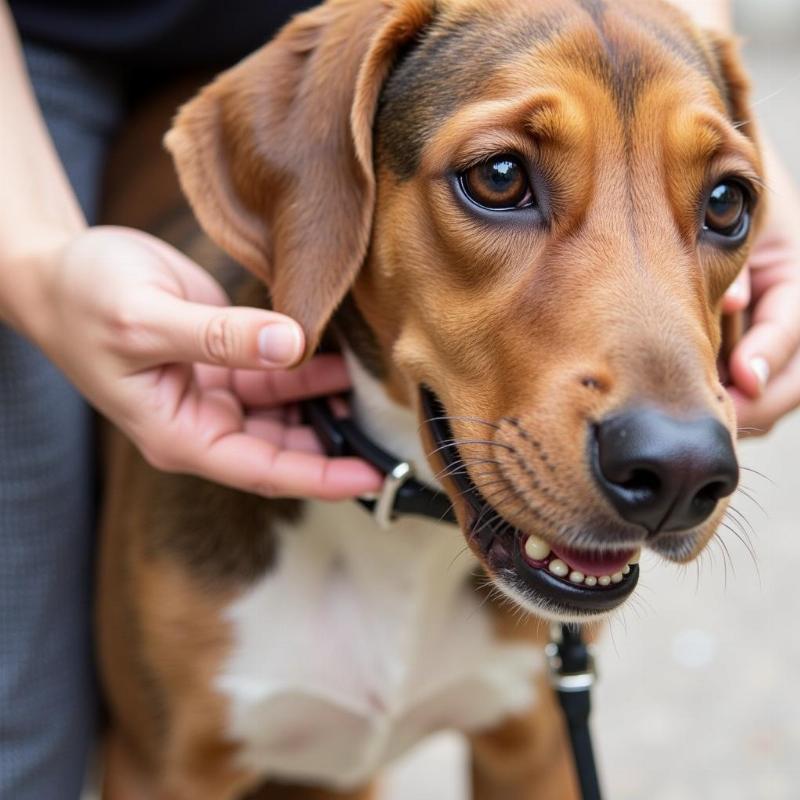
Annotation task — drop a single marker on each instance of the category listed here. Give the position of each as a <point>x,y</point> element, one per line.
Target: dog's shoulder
<point>219,535</point>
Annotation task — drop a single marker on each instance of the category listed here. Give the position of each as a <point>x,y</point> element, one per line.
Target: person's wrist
<point>29,276</point>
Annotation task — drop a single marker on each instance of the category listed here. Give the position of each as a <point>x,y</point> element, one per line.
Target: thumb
<point>180,331</point>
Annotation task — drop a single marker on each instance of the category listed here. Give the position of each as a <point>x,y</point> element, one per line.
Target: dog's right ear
<point>275,155</point>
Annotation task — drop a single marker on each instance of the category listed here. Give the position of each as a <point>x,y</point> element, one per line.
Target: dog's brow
<point>626,71</point>
<point>443,71</point>
<point>457,56</point>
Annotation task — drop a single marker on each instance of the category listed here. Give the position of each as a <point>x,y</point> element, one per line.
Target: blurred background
<point>699,694</point>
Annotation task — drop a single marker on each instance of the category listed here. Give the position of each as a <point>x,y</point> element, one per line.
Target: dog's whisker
<point>489,595</point>
<point>745,492</point>
<point>461,468</point>
<point>484,484</point>
<point>458,555</point>
<point>480,525</point>
<point>747,547</point>
<point>451,444</point>
<point>741,535</point>
<point>756,472</point>
<point>744,521</point>
<point>477,487</point>
<point>772,95</point>
<point>449,417</point>
<point>726,559</point>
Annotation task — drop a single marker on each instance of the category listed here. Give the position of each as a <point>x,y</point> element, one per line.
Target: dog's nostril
<point>643,481</point>
<point>710,495</point>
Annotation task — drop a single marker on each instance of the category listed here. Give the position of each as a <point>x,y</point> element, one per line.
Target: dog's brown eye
<point>727,212</point>
<point>500,183</point>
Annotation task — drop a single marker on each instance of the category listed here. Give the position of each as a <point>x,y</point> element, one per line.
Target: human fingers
<point>323,375</point>
<point>170,329</point>
<point>299,438</point>
<point>770,343</point>
<point>249,462</point>
<point>758,416</point>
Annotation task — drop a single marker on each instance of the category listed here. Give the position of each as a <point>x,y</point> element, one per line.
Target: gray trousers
<point>47,495</point>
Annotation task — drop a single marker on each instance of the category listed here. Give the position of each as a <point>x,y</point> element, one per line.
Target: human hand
<point>765,365</point>
<point>150,339</point>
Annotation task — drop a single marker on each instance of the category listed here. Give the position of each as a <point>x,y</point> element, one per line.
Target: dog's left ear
<point>734,80</point>
<point>275,155</point>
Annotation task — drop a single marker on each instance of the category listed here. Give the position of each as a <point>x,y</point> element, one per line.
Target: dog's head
<point>533,210</point>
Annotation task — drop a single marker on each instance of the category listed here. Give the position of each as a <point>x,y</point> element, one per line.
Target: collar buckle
<point>383,510</point>
<point>401,492</point>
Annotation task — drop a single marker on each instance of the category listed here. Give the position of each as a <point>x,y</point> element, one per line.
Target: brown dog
<point>520,219</point>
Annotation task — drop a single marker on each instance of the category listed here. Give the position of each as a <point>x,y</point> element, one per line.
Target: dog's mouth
<point>562,582</point>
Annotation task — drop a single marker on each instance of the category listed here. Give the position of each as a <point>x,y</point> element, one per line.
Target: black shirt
<point>161,33</point>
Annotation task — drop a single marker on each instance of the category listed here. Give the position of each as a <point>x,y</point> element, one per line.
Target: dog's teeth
<point>616,577</point>
<point>634,559</point>
<point>536,549</point>
<point>604,580</point>
<point>576,577</point>
<point>590,580</point>
<point>626,569</point>
<point>558,567</point>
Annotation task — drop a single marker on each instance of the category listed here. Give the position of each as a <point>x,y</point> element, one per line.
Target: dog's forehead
<point>620,45</point>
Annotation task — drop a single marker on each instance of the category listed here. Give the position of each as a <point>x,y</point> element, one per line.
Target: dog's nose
<point>664,473</point>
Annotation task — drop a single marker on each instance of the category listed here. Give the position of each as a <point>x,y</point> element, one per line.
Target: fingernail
<point>279,344</point>
<point>760,368</point>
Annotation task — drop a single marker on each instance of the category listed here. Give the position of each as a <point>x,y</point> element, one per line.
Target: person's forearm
<point>715,15</point>
<point>38,209</point>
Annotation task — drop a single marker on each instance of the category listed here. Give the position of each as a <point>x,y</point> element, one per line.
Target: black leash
<point>572,671</point>
<point>572,675</point>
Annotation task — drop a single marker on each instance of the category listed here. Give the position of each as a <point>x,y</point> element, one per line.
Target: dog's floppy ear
<point>735,83</point>
<point>275,155</point>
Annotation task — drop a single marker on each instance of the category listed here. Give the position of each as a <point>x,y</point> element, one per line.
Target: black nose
<point>664,473</point>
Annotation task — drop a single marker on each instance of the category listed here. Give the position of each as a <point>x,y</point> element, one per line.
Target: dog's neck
<point>392,426</point>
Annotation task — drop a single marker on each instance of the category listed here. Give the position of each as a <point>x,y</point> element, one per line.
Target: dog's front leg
<point>526,757</point>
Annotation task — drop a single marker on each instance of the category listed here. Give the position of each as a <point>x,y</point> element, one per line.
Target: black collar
<point>402,494</point>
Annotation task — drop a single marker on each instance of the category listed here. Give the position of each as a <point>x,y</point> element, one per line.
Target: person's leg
<point>47,700</point>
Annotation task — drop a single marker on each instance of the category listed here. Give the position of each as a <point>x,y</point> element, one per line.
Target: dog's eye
<point>727,210</point>
<point>501,184</point>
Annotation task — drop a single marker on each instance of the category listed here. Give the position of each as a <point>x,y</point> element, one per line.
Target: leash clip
<point>383,510</point>
<point>572,674</point>
<point>564,676</point>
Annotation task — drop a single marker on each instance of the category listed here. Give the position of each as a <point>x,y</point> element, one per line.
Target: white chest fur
<point>359,643</point>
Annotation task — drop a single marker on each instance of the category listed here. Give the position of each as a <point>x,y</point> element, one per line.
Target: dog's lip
<point>503,546</point>
<point>572,598</point>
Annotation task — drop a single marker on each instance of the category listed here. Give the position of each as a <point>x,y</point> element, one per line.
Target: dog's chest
<point>358,644</point>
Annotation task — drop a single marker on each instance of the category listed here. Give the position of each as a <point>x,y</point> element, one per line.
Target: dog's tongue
<point>598,564</point>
